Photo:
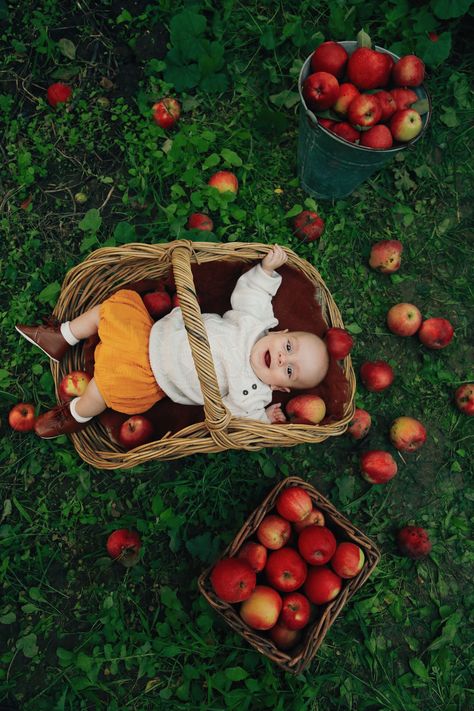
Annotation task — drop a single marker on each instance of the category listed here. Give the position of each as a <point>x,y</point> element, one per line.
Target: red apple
<point>403,98</point>
<point>166,112</point>
<point>377,466</point>
<point>329,57</point>
<point>296,611</point>
<point>74,384</point>
<point>347,92</point>
<point>407,434</point>
<point>387,104</point>
<point>254,554</point>
<point>293,503</point>
<point>21,417</point>
<point>322,585</point>
<point>360,424</point>
<point>261,610</point>
<point>364,111</point>
<point>199,221</point>
<point>320,90</point>
<point>314,518</point>
<point>348,560</point>
<point>346,131</point>
<point>326,123</point>
<point>233,580</point>
<point>158,303</point>
<point>408,71</point>
<point>124,546</point>
<point>286,570</point>
<point>414,542</point>
<point>308,226</point>
<point>404,319</point>
<point>405,125</point>
<point>376,375</point>
<point>274,531</point>
<point>224,181</point>
<point>368,68</point>
<point>436,333</point>
<point>135,431</point>
<point>316,544</point>
<point>338,342</point>
<point>386,255</point>
<point>58,93</point>
<point>464,398</point>
<point>283,637</point>
<point>308,407</point>
<point>378,137</point>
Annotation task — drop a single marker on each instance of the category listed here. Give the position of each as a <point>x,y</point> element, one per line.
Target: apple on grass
<point>296,611</point>
<point>255,554</point>
<point>286,570</point>
<point>294,503</point>
<point>414,542</point>
<point>407,434</point>
<point>233,580</point>
<point>320,90</point>
<point>408,71</point>
<point>158,303</point>
<point>74,384</point>
<point>308,226</point>
<point>262,609</point>
<point>58,93</point>
<point>364,111</point>
<point>378,137</point>
<point>464,398</point>
<point>224,181</point>
<point>283,637</point>
<point>348,560</point>
<point>322,585</point>
<point>21,417</point>
<point>329,57</point>
<point>316,544</point>
<point>360,424</point>
<point>166,112</point>
<point>200,221</point>
<point>405,125</point>
<point>124,546</point>
<point>404,319</point>
<point>273,532</point>
<point>314,518</point>
<point>368,68</point>
<point>386,255</point>
<point>339,342</point>
<point>135,431</point>
<point>376,375</point>
<point>310,408</point>
<point>436,333</point>
<point>377,466</point>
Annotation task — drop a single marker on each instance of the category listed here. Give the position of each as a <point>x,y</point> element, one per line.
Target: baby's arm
<point>275,414</point>
<point>274,259</point>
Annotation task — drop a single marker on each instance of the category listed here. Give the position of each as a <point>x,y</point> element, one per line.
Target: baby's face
<point>289,359</point>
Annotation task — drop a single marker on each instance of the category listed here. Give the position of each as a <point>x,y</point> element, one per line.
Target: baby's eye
<point>288,346</point>
<point>289,371</point>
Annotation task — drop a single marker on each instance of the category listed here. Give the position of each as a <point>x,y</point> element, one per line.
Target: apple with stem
<point>407,434</point>
<point>166,112</point>
<point>405,125</point>
<point>123,546</point>
<point>404,319</point>
<point>274,531</point>
<point>320,90</point>
<point>233,580</point>
<point>308,226</point>
<point>286,570</point>
<point>296,611</point>
<point>21,417</point>
<point>364,111</point>
<point>135,431</point>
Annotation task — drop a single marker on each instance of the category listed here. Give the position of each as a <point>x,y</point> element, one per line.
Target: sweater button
<point>245,392</point>
<point>254,386</point>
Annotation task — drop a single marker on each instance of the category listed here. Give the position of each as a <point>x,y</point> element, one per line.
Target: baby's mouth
<point>268,359</point>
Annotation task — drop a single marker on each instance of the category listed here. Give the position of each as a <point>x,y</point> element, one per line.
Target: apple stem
<point>363,39</point>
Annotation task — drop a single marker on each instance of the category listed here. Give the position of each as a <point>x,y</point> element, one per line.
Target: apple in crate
<point>386,256</point>
<point>286,570</point>
<point>404,319</point>
<point>348,560</point>
<point>376,375</point>
<point>464,398</point>
<point>314,518</point>
<point>233,580</point>
<point>405,125</point>
<point>158,303</point>
<point>408,71</point>
<point>322,585</point>
<point>293,503</point>
<point>21,417</point>
<point>199,221</point>
<point>360,424</point>
<point>255,554</point>
<point>320,90</point>
<point>283,637</point>
<point>329,57</point>
<point>296,611</point>
<point>124,546</point>
<point>262,609</point>
<point>403,98</point>
<point>338,342</point>
<point>436,333</point>
<point>74,384</point>
<point>273,532</point>
<point>135,431</point>
<point>377,466</point>
<point>368,68</point>
<point>308,226</point>
<point>407,434</point>
<point>414,542</point>
<point>316,544</point>
<point>224,181</point>
<point>311,408</point>
<point>364,111</point>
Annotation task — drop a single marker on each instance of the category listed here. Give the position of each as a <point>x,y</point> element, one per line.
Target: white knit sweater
<point>231,338</point>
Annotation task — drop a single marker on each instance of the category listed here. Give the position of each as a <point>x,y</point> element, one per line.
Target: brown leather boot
<point>58,421</point>
<point>48,337</point>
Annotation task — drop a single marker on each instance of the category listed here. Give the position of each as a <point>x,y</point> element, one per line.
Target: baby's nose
<point>281,358</point>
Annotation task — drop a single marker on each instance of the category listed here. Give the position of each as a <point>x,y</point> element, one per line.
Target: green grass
<point>78,632</point>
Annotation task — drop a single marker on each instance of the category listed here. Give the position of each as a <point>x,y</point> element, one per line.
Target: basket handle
<point>216,414</point>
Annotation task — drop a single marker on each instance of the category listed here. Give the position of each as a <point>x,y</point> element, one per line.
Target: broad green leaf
<point>434,53</point>
<point>214,83</point>
<point>446,9</point>
<point>124,232</point>
<point>211,161</point>
<point>295,210</point>
<point>182,77</point>
<point>285,98</point>
<point>67,48</point>
<point>236,673</point>
<point>354,328</point>
<point>185,25</point>
<point>27,645</point>
<point>418,668</point>
<point>231,157</point>
<point>91,221</point>
<point>449,117</point>
<point>7,618</point>
<point>267,38</point>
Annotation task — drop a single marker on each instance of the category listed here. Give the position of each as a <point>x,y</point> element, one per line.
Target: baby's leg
<point>86,324</point>
<point>91,403</point>
<point>71,416</point>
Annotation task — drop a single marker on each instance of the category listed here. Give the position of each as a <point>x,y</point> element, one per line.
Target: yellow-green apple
<point>360,424</point>
<point>376,375</point>
<point>262,609</point>
<point>408,71</point>
<point>405,125</point>
<point>407,434</point>
<point>135,431</point>
<point>293,503</point>
<point>378,137</point>
<point>347,92</point>
<point>326,123</point>
<point>387,104</point>
<point>286,570</point>
<point>283,637</point>
<point>464,398</point>
<point>338,342</point>
<point>414,542</point>
<point>199,221</point>
<point>166,112</point>
<point>329,57</point>
<point>346,131</point>
<point>74,384</point>
<point>348,560</point>
<point>21,417</point>
<point>307,407</point>
<point>377,466</point>
<point>404,319</point>
<point>403,98</point>
<point>436,333</point>
<point>322,585</point>
<point>123,546</point>
<point>274,531</point>
<point>364,111</point>
<point>316,544</point>
<point>255,554</point>
<point>224,181</point>
<point>368,68</point>
<point>296,611</point>
<point>233,580</point>
<point>320,90</point>
<point>308,226</point>
<point>386,255</point>
<point>58,93</point>
<point>314,518</point>
<point>158,303</point>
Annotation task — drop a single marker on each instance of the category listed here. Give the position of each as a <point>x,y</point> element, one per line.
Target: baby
<point>139,362</point>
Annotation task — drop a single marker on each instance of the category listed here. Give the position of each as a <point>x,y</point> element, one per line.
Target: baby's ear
<point>282,390</point>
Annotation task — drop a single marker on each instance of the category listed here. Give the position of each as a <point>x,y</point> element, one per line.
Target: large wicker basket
<point>299,658</point>
<point>106,270</point>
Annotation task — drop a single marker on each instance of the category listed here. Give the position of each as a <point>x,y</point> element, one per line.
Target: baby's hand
<point>275,414</point>
<point>274,259</point>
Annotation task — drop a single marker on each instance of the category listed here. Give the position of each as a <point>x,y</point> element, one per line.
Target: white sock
<point>72,407</point>
<point>67,334</point>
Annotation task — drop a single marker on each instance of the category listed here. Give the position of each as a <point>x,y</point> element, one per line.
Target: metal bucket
<point>328,166</point>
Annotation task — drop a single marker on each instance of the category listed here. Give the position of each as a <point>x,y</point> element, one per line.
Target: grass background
<point>80,633</point>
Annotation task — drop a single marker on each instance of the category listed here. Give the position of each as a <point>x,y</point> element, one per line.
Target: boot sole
<point>56,360</point>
